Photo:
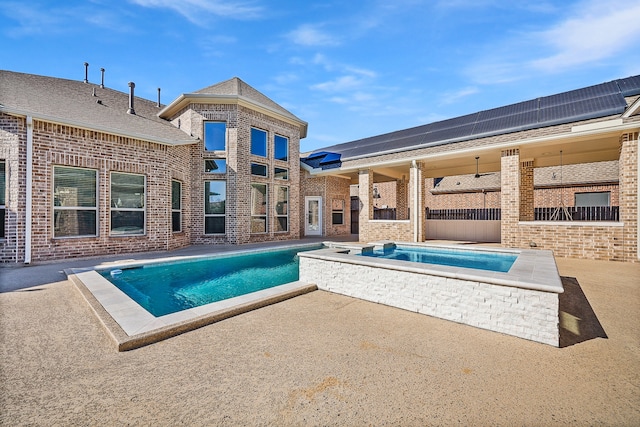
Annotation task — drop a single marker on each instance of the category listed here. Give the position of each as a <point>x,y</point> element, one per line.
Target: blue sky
<point>352,69</point>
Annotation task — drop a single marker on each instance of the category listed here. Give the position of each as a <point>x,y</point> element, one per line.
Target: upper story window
<point>259,169</point>
<point>215,165</point>
<point>281,173</point>
<point>127,204</point>
<point>281,148</point>
<point>215,136</point>
<point>258,142</point>
<point>75,204</point>
<point>3,190</point>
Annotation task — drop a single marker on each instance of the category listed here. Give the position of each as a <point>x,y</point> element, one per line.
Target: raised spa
<point>522,301</point>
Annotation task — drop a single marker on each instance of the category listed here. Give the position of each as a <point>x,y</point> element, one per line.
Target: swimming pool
<point>492,261</point>
<point>168,287</point>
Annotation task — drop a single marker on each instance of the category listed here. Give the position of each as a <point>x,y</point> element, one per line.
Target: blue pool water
<point>493,261</point>
<point>169,287</point>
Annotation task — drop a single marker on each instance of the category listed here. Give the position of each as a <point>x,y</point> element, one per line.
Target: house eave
<point>93,127</point>
<point>185,99</point>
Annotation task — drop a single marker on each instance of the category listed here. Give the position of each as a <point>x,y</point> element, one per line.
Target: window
<point>337,212</point>
<point>215,136</point>
<point>258,169</point>
<point>176,206</point>
<point>281,148</point>
<point>215,198</point>
<point>127,204</point>
<point>602,198</point>
<point>258,142</point>
<point>282,209</point>
<point>280,173</point>
<point>259,208</point>
<point>75,208</point>
<point>215,166</point>
<point>3,192</point>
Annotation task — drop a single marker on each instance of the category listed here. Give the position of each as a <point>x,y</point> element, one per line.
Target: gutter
<point>29,184</point>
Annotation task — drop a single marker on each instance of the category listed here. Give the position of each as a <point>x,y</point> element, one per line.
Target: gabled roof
<point>72,103</point>
<point>237,91</point>
<point>591,102</point>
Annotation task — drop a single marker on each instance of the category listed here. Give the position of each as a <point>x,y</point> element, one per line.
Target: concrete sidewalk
<point>321,359</point>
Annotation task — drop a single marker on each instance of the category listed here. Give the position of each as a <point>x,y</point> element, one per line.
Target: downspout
<point>416,188</point>
<point>29,184</point>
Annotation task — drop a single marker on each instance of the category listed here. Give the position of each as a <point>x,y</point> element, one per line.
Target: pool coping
<point>131,326</point>
<point>533,269</point>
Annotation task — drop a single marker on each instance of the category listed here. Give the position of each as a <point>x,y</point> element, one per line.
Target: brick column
<point>402,199</point>
<point>510,196</point>
<point>526,191</point>
<point>629,189</point>
<point>416,201</point>
<point>365,192</point>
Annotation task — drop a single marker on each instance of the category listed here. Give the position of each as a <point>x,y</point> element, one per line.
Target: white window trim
<point>275,213</point>
<point>74,208</point>
<point>144,209</point>
<point>206,215</point>
<point>179,210</point>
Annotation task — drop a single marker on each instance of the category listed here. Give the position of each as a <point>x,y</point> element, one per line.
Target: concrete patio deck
<point>321,359</point>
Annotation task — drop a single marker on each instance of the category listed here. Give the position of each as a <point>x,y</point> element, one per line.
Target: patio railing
<point>483,214</point>
<point>582,213</point>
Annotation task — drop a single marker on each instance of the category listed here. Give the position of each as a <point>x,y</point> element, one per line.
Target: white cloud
<point>598,31</point>
<point>197,11</point>
<point>453,97</point>
<point>311,35</point>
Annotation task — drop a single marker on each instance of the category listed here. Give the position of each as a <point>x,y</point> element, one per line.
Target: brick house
<point>509,159</point>
<point>86,170</point>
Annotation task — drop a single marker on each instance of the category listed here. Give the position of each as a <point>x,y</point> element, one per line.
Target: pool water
<point>169,287</point>
<point>492,261</point>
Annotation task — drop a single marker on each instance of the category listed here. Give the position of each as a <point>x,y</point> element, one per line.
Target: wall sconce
<point>477,174</point>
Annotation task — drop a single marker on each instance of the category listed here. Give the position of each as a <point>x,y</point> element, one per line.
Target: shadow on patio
<point>578,321</point>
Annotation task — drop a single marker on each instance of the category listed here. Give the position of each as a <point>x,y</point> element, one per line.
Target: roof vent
<point>102,80</point>
<point>94,92</point>
<point>158,97</point>
<point>86,72</point>
<point>132,85</point>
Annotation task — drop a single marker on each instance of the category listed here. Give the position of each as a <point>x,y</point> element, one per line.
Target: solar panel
<point>507,123</point>
<point>583,109</point>
<point>630,86</point>
<point>581,104</point>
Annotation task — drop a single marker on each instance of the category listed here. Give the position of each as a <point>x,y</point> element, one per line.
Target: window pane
<point>215,197</point>
<point>176,221</point>
<point>337,218</point>
<point>258,142</point>
<point>127,222</point>
<point>215,166</point>
<point>279,173</point>
<point>258,169</point>
<point>127,191</point>
<point>282,200</point>
<point>282,223</point>
<point>3,180</point>
<point>214,225</point>
<point>74,223</point>
<point>2,214</point>
<point>215,135</point>
<point>281,148</point>
<point>259,224</point>
<point>73,187</point>
<point>592,199</point>
<point>258,199</point>
<point>176,192</point>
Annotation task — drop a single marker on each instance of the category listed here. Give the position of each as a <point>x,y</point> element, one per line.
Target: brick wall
<point>58,145</point>
<point>330,188</point>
